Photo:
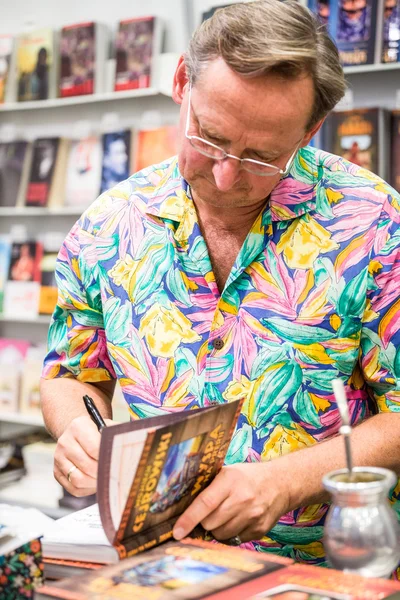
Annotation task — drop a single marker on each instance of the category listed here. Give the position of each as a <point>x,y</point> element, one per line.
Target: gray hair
<point>271,36</point>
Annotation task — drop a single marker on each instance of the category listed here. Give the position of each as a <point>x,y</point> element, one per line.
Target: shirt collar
<point>294,195</point>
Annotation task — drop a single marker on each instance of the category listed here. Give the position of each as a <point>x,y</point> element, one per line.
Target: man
<point>264,273</point>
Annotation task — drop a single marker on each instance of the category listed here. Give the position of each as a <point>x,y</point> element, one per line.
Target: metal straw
<point>345,429</point>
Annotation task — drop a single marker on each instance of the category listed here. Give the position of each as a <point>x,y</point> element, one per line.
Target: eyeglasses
<point>210,150</point>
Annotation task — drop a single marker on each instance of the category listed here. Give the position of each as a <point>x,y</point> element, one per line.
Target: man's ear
<point>310,134</point>
<point>180,81</point>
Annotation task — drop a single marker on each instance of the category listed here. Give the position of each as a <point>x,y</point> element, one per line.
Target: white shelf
<point>21,418</point>
<point>39,320</point>
<point>78,100</point>
<point>22,211</point>
<point>379,68</point>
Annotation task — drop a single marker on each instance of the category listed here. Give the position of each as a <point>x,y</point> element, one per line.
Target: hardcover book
<point>149,472</point>
<point>44,157</point>
<point>35,65</point>
<point>6,49</point>
<point>187,569</point>
<point>390,31</point>
<point>82,59</point>
<point>155,145</point>
<point>117,156</point>
<point>83,172</point>
<point>353,27</point>
<point>360,136</point>
<point>21,295</point>
<point>14,171</point>
<point>48,284</point>
<point>138,43</point>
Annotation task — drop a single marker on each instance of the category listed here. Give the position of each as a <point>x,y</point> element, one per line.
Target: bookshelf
<point>21,418</point>
<point>39,320</point>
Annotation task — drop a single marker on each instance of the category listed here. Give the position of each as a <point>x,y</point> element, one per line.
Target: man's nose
<point>226,173</point>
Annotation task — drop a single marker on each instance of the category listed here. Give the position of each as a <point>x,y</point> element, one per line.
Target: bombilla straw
<point>345,429</point>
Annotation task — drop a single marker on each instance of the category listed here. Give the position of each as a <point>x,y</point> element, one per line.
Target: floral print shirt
<point>313,295</point>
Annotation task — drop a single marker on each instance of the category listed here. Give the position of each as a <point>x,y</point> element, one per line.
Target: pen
<point>94,413</point>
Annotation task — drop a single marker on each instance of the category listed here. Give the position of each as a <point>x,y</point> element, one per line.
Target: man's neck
<point>233,219</point>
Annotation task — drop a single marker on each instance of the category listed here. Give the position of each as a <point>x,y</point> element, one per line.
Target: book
<point>155,145</point>
<point>83,53</point>
<point>117,156</point>
<point>390,31</point>
<point>29,399</point>
<point>186,569</point>
<point>48,285</point>
<point>12,356</point>
<point>353,27</point>
<point>83,172</point>
<point>394,151</point>
<point>360,136</point>
<point>5,257</point>
<point>149,472</point>
<point>6,49</point>
<point>321,9</point>
<point>44,157</point>
<point>22,288</point>
<point>25,261</point>
<point>14,172</point>
<point>137,44</point>
<point>57,568</point>
<point>35,65</point>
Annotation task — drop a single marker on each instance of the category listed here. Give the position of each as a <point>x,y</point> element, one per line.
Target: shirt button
<point>218,343</point>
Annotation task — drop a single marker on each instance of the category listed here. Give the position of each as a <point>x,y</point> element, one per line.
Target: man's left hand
<point>244,500</point>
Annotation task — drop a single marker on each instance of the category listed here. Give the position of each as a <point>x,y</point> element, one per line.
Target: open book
<point>149,472</point>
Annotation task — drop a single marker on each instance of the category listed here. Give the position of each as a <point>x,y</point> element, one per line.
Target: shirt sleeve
<point>76,340</point>
<point>380,337</point>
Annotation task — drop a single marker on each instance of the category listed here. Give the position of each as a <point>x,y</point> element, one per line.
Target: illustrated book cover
<point>35,65</point>
<point>390,31</point>
<point>47,172</point>
<point>155,145</point>
<point>137,45</point>
<point>117,157</point>
<point>14,172</point>
<point>189,569</point>
<point>83,172</point>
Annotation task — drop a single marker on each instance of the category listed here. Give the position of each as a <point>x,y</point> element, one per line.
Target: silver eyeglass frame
<point>243,161</point>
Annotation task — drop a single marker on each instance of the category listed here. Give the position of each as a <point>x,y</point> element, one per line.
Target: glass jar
<point>361,533</point>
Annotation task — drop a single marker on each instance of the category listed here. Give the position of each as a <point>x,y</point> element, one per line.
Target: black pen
<point>94,413</point>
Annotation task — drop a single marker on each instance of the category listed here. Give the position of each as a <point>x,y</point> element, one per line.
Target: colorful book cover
<point>353,27</point>
<point>391,31</point>
<point>44,157</point>
<point>48,285</point>
<point>13,157</point>
<point>187,569</point>
<point>6,48</point>
<point>116,162</point>
<point>5,257</point>
<point>25,261</point>
<point>34,64</point>
<point>137,43</point>
<point>78,59</point>
<point>83,172</point>
<point>155,145</point>
<point>395,151</point>
<point>162,463</point>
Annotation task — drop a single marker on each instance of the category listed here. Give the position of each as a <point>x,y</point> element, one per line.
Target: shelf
<point>78,100</point>
<point>22,418</point>
<point>22,211</point>
<point>379,68</point>
<point>39,320</point>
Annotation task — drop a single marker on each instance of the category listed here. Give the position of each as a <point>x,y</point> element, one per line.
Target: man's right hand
<point>76,456</point>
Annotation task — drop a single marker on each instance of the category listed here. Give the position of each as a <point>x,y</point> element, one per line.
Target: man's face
<point>259,118</point>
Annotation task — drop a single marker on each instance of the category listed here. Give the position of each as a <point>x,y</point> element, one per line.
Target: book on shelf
<point>36,65</point>
<point>149,471</point>
<point>83,54</point>
<point>321,9</point>
<point>29,398</point>
<point>83,172</point>
<point>5,257</point>
<point>360,136</point>
<point>138,43</point>
<point>22,288</point>
<point>116,158</point>
<point>15,159</point>
<point>12,356</point>
<point>155,145</point>
<point>6,54</point>
<point>394,151</point>
<point>48,171</point>
<point>390,31</point>
<point>48,285</point>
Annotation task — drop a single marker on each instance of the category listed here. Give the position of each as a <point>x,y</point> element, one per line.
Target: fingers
<point>202,506</point>
<point>77,484</point>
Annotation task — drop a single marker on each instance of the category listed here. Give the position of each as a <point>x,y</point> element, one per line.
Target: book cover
<point>44,157</point>
<point>395,151</point>
<point>21,294</point>
<point>6,48</point>
<point>77,59</point>
<point>29,400</point>
<point>34,64</point>
<point>12,356</point>
<point>353,27</point>
<point>188,569</point>
<point>5,257</point>
<point>321,9</point>
<point>155,145</point>
<point>390,31</point>
<point>360,136</point>
<point>14,170</point>
<point>151,470</point>
<point>117,155</point>
<point>48,284</point>
<point>83,172</point>
<point>138,42</point>
<point>25,261</point>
